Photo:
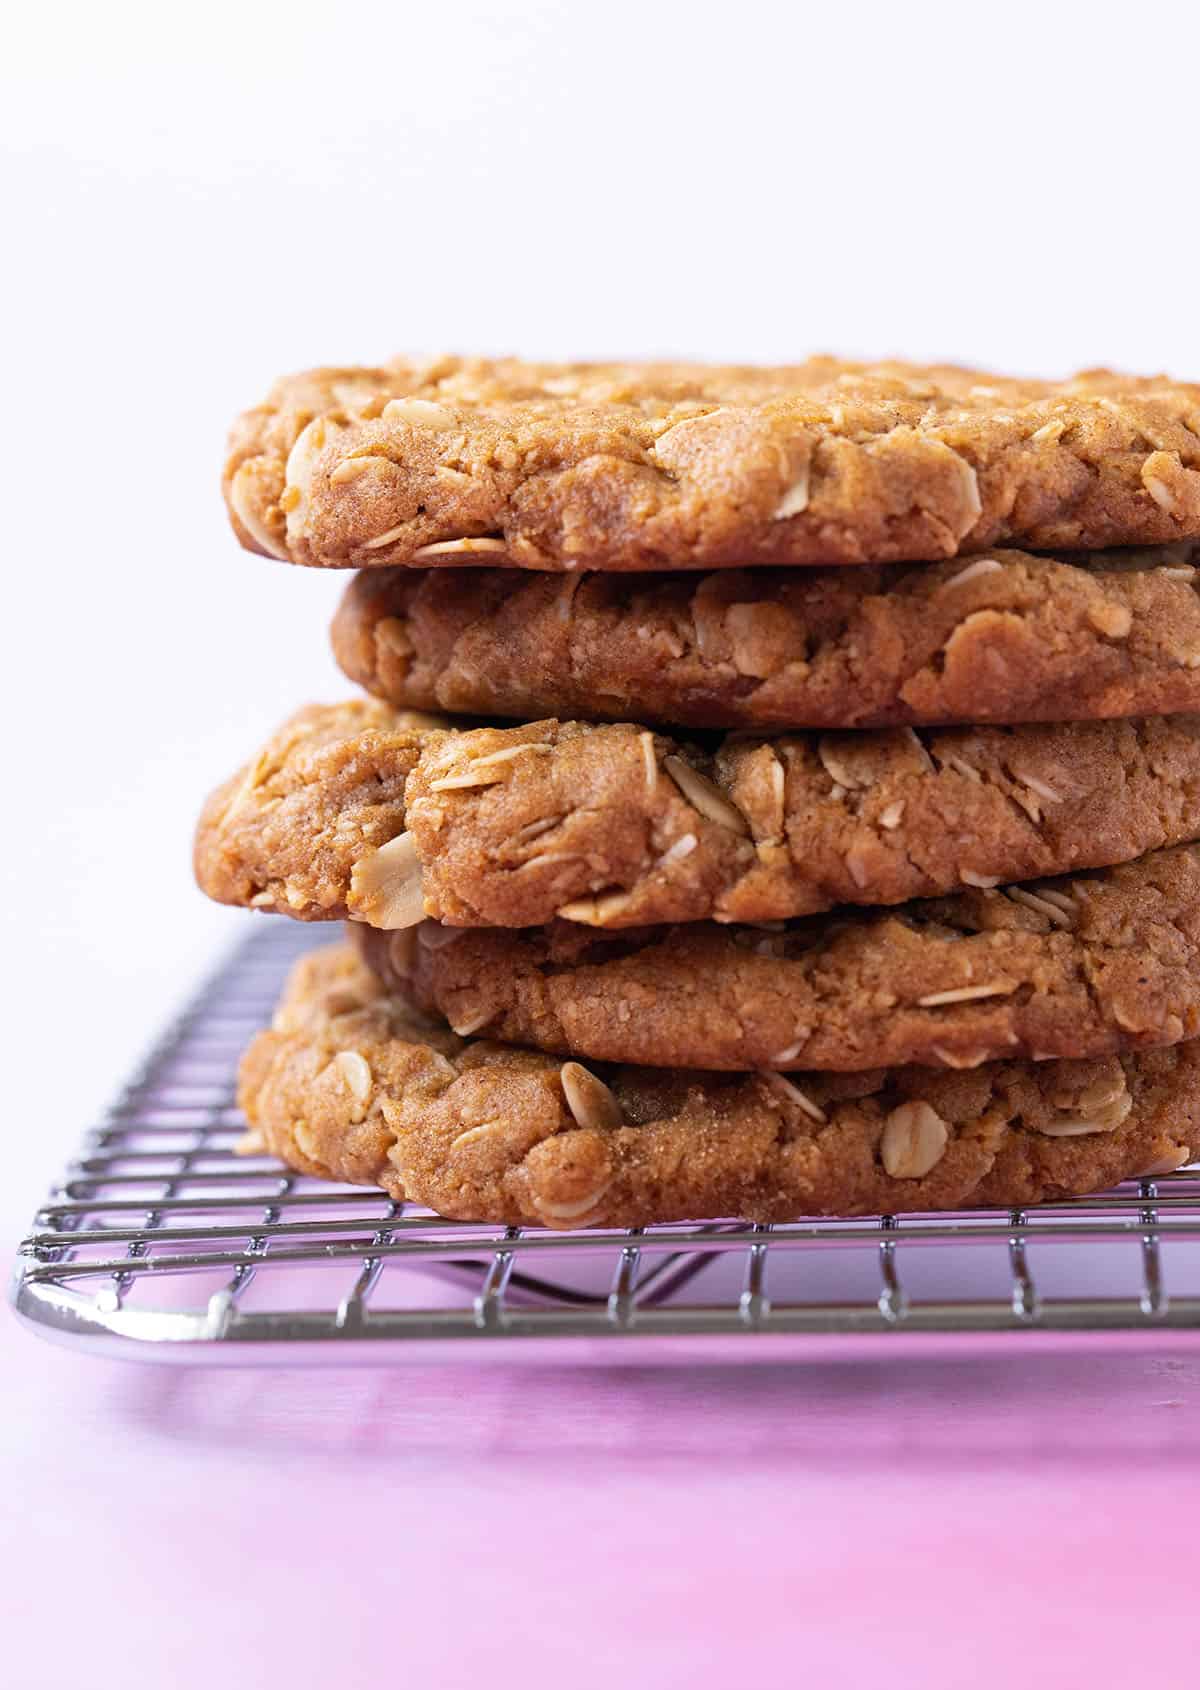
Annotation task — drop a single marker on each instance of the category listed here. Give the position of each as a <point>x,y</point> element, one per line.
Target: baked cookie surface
<point>356,809</point>
<point>352,1083</point>
<point>636,466</point>
<point>323,794</point>
<point>1003,638</point>
<point>1064,968</point>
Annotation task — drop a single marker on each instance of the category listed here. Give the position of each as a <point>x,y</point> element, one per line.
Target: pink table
<point>1020,1515</point>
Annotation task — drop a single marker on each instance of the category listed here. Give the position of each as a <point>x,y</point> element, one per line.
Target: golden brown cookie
<point>353,1084</point>
<point>1004,638</point>
<point>614,826</point>
<point>675,466</point>
<point>322,795</point>
<point>1062,968</point>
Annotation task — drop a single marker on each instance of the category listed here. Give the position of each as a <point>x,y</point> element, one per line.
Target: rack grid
<point>161,1242</point>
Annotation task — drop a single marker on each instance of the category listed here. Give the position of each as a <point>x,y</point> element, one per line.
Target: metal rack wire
<point>160,1242</point>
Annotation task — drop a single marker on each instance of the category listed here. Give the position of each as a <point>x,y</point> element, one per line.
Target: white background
<point>202,197</point>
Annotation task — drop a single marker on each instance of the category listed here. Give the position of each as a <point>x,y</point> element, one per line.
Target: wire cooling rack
<point>160,1242</point>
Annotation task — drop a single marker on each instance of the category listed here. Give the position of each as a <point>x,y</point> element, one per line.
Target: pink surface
<point>1018,1519</point>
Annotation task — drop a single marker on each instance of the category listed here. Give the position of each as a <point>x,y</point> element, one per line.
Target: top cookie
<point>675,466</point>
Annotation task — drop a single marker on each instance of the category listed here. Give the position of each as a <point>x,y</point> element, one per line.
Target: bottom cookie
<point>353,1083</point>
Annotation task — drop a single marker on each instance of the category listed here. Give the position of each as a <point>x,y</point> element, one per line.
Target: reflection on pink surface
<point>1024,1518</point>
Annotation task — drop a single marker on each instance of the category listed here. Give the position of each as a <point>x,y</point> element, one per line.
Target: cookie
<point>288,830</point>
<point>1004,638</point>
<point>681,466</point>
<point>1064,968</point>
<point>614,826</point>
<point>354,1084</point>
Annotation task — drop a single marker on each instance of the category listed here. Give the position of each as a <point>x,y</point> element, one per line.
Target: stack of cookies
<point>774,795</point>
